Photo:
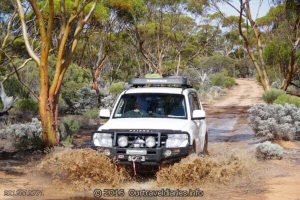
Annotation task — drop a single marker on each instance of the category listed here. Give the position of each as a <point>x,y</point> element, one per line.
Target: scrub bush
<point>75,81</point>
<point>271,95</point>
<point>267,150</point>
<point>26,106</point>
<point>228,82</point>
<point>285,98</point>
<point>93,113</point>
<point>116,88</point>
<point>275,121</point>
<point>26,136</point>
<point>222,79</point>
<point>68,127</point>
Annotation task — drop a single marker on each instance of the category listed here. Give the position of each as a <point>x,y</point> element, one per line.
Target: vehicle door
<point>195,105</point>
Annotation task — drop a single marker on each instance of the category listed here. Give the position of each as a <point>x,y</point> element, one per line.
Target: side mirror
<point>198,115</point>
<point>104,114</point>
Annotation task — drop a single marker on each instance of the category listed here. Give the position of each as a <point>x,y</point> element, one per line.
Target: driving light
<point>177,140</point>
<point>123,141</point>
<point>150,141</point>
<point>102,139</point>
<point>167,153</point>
<point>107,152</point>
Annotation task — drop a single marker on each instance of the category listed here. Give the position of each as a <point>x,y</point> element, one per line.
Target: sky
<point>254,4</point>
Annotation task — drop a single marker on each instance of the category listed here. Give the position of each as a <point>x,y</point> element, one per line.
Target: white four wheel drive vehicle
<point>156,121</point>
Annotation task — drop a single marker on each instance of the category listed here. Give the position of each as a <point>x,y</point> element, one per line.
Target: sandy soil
<point>228,132</point>
<point>246,93</point>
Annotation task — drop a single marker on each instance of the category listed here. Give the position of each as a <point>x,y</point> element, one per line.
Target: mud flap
<point>197,146</point>
<point>203,132</point>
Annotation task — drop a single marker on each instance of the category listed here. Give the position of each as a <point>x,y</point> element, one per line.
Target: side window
<point>194,103</point>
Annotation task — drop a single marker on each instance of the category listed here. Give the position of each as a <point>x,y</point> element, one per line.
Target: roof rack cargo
<point>168,81</point>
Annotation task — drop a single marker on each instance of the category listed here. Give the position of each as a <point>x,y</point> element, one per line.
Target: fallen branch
<point>293,94</point>
<point>297,86</point>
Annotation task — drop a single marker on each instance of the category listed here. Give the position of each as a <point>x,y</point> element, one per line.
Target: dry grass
<point>82,167</point>
<point>196,170</point>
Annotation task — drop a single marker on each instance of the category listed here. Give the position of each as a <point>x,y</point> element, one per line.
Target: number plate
<point>136,152</point>
<point>137,158</point>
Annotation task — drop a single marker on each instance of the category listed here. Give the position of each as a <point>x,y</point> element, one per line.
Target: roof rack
<point>177,81</point>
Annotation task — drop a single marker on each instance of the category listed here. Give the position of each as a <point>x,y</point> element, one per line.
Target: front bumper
<point>155,156</point>
<point>150,156</point>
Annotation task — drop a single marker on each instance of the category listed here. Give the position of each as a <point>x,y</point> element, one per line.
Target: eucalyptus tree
<point>162,35</point>
<point>271,39</point>
<point>103,47</point>
<point>60,25</point>
<point>281,38</point>
<point>251,34</point>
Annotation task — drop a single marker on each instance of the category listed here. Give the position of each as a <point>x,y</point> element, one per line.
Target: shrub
<point>27,106</point>
<point>221,79</point>
<point>245,67</point>
<point>211,93</point>
<point>26,136</point>
<point>75,79</point>
<point>275,121</point>
<point>68,127</point>
<point>217,63</point>
<point>228,82</point>
<point>285,98</point>
<point>94,112</point>
<point>267,150</point>
<point>271,95</point>
<point>108,102</point>
<point>13,87</point>
<point>116,88</point>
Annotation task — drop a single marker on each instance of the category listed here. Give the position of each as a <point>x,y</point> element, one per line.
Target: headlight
<point>150,141</point>
<point>177,140</point>
<point>123,141</point>
<point>102,139</point>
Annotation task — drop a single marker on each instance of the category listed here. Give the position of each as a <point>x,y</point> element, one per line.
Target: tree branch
<point>39,18</point>
<point>18,75</point>
<point>25,36</point>
<point>18,69</point>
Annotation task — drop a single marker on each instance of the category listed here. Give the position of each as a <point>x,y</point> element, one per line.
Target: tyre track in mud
<point>227,117</point>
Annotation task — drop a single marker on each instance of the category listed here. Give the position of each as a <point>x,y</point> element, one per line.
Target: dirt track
<point>245,93</point>
<point>228,132</point>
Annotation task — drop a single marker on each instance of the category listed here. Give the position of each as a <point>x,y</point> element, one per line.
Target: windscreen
<point>151,105</point>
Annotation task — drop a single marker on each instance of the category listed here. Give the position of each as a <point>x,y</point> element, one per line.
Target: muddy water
<point>229,124</point>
